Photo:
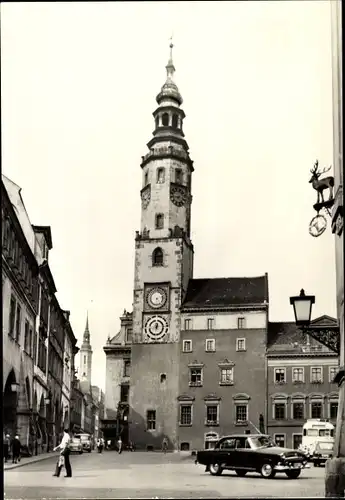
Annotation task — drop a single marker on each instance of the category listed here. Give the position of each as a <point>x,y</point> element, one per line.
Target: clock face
<point>178,195</point>
<point>145,198</point>
<point>156,297</point>
<point>156,328</point>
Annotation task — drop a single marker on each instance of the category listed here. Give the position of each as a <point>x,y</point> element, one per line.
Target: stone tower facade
<point>85,366</point>
<point>163,267</point>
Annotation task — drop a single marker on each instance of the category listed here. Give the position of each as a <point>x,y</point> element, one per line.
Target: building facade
<point>300,375</point>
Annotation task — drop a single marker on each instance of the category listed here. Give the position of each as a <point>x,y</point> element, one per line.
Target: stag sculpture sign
<point>318,224</point>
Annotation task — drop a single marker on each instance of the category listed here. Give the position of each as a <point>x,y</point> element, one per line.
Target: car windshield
<point>325,446</point>
<point>261,442</point>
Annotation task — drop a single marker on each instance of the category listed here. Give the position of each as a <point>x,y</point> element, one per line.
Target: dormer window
<point>160,175</point>
<point>175,121</point>
<point>178,176</point>
<point>157,257</point>
<point>165,120</point>
<point>159,223</point>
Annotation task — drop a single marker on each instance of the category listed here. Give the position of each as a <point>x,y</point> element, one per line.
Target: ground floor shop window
<point>185,447</point>
<point>333,409</point>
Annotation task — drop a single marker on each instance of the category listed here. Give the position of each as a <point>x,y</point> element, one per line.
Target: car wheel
<point>293,474</point>
<point>267,471</point>
<point>80,453</point>
<point>215,469</point>
<point>241,473</point>
<point>316,464</point>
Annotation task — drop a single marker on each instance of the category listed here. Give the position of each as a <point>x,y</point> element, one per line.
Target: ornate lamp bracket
<point>328,336</point>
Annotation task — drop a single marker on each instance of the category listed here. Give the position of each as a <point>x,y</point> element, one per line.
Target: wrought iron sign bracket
<point>328,336</point>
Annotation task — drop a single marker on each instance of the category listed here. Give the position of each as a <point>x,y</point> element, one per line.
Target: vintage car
<point>85,441</point>
<point>323,451</point>
<point>252,453</point>
<point>75,446</point>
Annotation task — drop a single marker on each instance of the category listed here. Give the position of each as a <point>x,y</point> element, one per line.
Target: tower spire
<point>86,336</point>
<point>170,66</point>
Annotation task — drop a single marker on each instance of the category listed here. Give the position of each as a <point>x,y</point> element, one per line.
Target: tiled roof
<point>225,292</point>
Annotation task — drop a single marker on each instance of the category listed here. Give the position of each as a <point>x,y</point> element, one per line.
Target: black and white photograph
<point>172,249</point>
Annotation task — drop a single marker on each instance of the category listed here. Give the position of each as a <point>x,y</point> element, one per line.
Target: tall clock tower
<point>163,267</point>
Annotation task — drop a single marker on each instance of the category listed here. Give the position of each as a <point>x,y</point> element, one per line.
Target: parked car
<point>323,451</point>
<point>85,441</point>
<point>252,453</point>
<point>75,446</point>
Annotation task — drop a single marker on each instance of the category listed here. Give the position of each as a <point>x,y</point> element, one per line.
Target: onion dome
<point>169,89</point>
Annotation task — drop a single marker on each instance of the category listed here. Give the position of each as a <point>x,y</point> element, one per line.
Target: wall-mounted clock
<point>178,195</point>
<point>156,297</point>
<point>156,327</point>
<point>146,197</point>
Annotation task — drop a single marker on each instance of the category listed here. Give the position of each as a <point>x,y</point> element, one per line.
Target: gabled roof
<point>226,292</point>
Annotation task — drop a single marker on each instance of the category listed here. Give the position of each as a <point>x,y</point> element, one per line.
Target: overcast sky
<point>79,82</point>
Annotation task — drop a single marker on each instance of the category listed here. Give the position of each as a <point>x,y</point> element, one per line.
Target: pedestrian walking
<point>63,459</point>
<point>165,445</point>
<point>100,445</point>
<point>7,447</point>
<point>16,445</point>
<point>119,445</point>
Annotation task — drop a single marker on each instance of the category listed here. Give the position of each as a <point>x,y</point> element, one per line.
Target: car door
<point>239,458</point>
<point>226,451</point>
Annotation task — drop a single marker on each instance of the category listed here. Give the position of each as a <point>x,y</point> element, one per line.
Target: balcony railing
<point>163,151</point>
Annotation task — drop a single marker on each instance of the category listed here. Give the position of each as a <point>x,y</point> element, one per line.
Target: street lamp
<point>326,335</point>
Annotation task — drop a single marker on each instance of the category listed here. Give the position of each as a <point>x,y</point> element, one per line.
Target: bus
<point>316,430</point>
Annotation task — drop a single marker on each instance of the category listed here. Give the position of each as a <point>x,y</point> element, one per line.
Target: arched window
<point>175,121</point>
<point>178,176</point>
<point>160,175</point>
<point>165,120</point>
<point>157,257</point>
<point>159,221</point>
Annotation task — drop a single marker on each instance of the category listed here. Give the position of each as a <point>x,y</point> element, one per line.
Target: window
<point>146,178</point>
<point>18,322</point>
<point>12,316</point>
<point>298,375</point>
<point>195,376</point>
<point>127,368</point>
<point>279,411</point>
<point>184,446</point>
<point>280,440</point>
<point>228,444</point>
<point>298,410</point>
<point>178,176</point>
<point>210,323</point>
<point>316,374</point>
<point>296,441</point>
<point>124,393</point>
<point>226,376</point>
<point>187,324</point>
<point>175,121</point>
<point>151,420</point>
<point>240,344</point>
<point>26,337</point>
<point>157,257</point>
<point>185,414</point>
<point>160,175</point>
<point>241,323</point>
<point>84,359</point>
<point>210,345</point>
<point>30,341</point>
<point>212,414</point>
<point>187,346</point>
<point>333,370</point>
<point>163,377</point>
<point>279,375</point>
<point>129,335</point>
<point>241,413</point>
<point>316,409</point>
<point>165,119</point>
<point>333,409</point>
<point>159,221</point>
<point>157,121</point>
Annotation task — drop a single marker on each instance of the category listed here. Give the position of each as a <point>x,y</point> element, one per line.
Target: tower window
<point>84,359</point>
<point>157,121</point>
<point>160,175</point>
<point>178,176</point>
<point>159,221</point>
<point>146,178</point>
<point>175,121</point>
<point>157,257</point>
<point>165,119</point>
<point>163,377</point>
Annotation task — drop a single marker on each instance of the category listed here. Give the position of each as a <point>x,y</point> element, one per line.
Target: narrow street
<point>149,475</point>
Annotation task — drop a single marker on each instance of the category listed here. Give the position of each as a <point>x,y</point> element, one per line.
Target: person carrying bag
<point>63,460</point>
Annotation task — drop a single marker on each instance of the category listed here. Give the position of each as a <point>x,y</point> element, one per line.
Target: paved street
<point>147,475</point>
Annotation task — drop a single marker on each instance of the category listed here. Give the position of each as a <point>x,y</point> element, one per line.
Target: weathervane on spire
<point>170,66</point>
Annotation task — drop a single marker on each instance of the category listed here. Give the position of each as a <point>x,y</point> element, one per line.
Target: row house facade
<point>300,374</point>
<point>34,337</point>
